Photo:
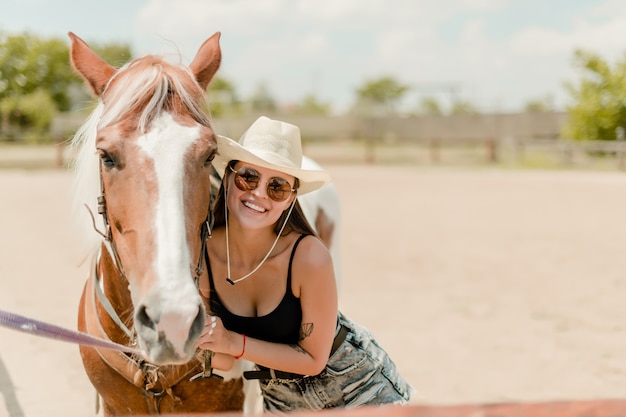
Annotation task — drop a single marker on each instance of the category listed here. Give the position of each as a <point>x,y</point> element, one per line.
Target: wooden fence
<point>553,153</point>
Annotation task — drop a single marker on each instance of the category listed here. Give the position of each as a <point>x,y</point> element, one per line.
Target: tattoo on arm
<point>305,331</point>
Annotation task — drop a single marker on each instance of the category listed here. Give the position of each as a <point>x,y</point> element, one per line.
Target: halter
<point>205,232</point>
<point>146,375</point>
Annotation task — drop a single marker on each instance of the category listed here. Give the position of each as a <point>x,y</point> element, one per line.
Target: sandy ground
<point>484,285</point>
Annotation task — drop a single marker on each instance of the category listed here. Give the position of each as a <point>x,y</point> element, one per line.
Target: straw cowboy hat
<point>270,144</point>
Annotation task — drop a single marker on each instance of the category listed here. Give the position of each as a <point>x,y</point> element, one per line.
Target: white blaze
<point>166,144</point>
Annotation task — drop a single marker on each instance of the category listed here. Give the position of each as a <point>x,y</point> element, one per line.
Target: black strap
<point>339,339</point>
<point>270,374</point>
<point>293,253</point>
<point>273,374</point>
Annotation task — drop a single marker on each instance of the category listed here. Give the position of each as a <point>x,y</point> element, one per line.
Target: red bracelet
<point>244,348</point>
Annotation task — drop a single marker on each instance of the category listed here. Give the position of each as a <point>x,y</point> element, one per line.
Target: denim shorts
<point>358,373</point>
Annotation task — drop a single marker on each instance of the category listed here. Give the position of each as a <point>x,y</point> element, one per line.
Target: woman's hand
<point>222,361</point>
<point>215,337</point>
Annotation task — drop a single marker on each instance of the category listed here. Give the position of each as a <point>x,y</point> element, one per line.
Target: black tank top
<point>282,325</point>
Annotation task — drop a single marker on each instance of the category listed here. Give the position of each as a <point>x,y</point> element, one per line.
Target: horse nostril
<point>198,325</point>
<point>142,317</point>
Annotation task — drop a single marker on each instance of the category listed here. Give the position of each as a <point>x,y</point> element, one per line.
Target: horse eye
<point>210,159</point>
<point>106,159</point>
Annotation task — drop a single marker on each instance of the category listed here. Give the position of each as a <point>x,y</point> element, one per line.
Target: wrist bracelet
<point>244,348</point>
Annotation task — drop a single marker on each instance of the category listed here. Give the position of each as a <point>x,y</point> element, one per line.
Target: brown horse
<point>143,162</point>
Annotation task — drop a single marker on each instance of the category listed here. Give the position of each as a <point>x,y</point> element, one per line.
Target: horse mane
<point>141,89</point>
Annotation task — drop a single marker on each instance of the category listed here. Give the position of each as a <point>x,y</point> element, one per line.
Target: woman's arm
<point>313,281</point>
<point>222,361</point>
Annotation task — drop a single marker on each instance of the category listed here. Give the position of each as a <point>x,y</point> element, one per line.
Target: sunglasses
<point>247,179</point>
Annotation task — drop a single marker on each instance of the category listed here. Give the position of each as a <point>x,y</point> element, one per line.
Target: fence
<point>511,152</point>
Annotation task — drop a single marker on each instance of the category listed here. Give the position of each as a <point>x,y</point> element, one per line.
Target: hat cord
<point>228,279</point>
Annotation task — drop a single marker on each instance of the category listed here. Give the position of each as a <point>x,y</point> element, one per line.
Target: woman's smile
<point>254,207</point>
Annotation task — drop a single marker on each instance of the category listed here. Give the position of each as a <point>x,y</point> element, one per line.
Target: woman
<point>271,286</point>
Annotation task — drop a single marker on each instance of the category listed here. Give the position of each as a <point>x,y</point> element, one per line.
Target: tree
<point>223,97</point>
<point>599,99</point>
<point>463,107</point>
<point>539,105</point>
<point>430,106</point>
<point>262,100</point>
<point>28,63</point>
<point>116,54</point>
<point>381,95</point>
<point>35,70</point>
<point>311,105</point>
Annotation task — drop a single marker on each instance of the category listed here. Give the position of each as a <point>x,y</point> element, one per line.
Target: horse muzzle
<point>169,336</point>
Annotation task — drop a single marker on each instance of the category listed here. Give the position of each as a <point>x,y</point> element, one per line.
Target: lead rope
<point>51,331</point>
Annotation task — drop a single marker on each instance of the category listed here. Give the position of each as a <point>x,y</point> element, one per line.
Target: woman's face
<point>253,191</point>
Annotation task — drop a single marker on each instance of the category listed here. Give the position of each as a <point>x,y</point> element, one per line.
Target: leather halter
<point>205,232</point>
<point>154,381</point>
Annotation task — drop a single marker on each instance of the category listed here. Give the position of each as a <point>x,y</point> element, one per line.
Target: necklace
<point>228,279</point>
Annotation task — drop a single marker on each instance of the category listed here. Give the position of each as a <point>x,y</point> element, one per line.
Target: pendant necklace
<point>228,279</point>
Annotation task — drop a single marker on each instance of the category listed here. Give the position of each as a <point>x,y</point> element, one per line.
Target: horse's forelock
<point>148,86</point>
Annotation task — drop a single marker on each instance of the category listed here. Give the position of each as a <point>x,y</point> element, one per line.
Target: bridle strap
<point>205,233</point>
<point>104,301</point>
<point>107,234</point>
<point>139,373</point>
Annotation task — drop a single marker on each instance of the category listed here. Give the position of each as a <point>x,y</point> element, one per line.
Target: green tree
<point>463,107</point>
<point>381,95</point>
<point>262,100</point>
<point>116,54</point>
<point>36,70</point>
<point>539,105</point>
<point>223,97</point>
<point>310,105</point>
<point>28,63</point>
<point>33,110</point>
<point>599,99</point>
<point>430,106</point>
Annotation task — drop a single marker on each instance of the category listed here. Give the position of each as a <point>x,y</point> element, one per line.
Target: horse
<point>143,162</point>
<point>322,210</point>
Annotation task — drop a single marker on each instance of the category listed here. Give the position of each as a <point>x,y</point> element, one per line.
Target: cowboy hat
<point>270,144</point>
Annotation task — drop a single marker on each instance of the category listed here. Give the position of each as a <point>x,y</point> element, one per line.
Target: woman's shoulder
<point>311,253</point>
<point>310,242</point>
<point>312,268</point>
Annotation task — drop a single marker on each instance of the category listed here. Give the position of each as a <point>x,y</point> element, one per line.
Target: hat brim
<point>229,150</point>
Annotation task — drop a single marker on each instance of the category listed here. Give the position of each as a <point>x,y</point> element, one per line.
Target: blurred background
<point>530,84</point>
<point>477,146</point>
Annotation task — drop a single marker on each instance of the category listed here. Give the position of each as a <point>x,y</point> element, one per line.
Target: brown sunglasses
<point>247,179</point>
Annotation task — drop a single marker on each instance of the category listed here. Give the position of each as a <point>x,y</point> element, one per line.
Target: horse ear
<point>94,70</point>
<point>207,60</point>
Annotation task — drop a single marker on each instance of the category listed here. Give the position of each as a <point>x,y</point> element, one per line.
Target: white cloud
<point>332,46</point>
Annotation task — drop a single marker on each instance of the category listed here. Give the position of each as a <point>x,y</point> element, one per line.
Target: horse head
<point>146,152</point>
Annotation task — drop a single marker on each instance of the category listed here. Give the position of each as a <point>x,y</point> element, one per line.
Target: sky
<point>497,55</point>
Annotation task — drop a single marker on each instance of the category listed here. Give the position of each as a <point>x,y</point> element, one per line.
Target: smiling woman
<point>271,289</point>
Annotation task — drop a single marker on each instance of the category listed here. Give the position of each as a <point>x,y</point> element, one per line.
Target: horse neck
<point>115,287</point>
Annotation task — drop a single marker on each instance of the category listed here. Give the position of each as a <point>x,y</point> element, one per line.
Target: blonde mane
<point>143,89</point>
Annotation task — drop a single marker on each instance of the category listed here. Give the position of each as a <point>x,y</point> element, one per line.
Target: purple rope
<point>39,328</point>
